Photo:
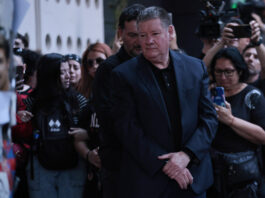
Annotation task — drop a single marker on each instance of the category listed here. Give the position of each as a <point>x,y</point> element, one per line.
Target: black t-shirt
<point>94,127</point>
<point>248,105</point>
<point>260,84</point>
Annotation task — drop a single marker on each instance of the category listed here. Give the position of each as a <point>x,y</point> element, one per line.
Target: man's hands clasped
<point>176,168</point>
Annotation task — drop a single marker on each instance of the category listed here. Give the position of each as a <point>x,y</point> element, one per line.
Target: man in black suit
<point>109,146</point>
<point>163,117</point>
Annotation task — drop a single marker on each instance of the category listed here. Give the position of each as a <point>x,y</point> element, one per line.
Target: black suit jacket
<point>142,124</point>
<point>110,148</point>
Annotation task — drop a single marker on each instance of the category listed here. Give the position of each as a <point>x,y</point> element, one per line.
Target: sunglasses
<point>91,62</point>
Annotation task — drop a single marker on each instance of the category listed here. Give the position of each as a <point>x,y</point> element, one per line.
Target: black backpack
<point>54,147</point>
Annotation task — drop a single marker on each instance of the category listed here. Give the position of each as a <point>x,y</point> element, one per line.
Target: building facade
<point>63,26</point>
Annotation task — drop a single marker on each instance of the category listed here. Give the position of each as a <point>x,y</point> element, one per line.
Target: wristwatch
<point>258,42</point>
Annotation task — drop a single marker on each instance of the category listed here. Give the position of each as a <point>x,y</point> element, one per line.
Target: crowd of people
<point>139,120</point>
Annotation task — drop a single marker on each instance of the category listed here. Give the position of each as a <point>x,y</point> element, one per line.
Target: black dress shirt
<point>167,83</point>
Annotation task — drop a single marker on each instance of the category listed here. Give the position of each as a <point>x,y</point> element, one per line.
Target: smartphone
<point>242,31</point>
<point>218,96</point>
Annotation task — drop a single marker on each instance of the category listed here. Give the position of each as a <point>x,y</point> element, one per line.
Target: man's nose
<point>149,39</point>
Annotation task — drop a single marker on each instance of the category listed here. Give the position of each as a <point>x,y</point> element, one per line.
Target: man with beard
<point>254,56</point>
<point>110,149</point>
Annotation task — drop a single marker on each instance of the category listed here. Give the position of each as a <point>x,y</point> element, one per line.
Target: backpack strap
<point>69,112</point>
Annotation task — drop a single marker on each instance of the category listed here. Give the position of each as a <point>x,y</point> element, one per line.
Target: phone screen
<point>242,31</point>
<point>218,96</point>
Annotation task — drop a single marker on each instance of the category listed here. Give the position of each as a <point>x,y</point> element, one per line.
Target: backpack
<point>54,147</point>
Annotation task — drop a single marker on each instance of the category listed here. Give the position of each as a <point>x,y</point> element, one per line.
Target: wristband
<point>258,43</point>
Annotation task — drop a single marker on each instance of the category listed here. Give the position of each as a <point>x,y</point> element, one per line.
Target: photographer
<point>210,26</point>
<point>228,39</point>
<point>253,51</point>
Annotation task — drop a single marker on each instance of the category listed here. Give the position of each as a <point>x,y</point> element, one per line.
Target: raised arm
<point>255,39</point>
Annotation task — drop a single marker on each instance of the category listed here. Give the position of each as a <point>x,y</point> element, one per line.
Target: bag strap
<point>69,112</point>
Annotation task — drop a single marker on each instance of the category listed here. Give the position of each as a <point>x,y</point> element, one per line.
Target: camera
<point>210,23</point>
<point>213,17</point>
<point>245,9</point>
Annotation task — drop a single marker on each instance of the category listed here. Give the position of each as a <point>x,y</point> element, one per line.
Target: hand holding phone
<point>241,31</point>
<point>218,96</point>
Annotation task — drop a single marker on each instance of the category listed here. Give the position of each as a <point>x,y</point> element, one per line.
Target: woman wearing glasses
<point>241,128</point>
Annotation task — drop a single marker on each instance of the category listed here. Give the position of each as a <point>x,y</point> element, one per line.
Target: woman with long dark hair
<point>55,169</point>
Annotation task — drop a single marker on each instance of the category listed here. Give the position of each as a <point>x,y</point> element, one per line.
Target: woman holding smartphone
<point>241,128</point>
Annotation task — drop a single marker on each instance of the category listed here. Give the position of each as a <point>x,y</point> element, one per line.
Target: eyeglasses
<point>90,62</point>
<point>226,72</point>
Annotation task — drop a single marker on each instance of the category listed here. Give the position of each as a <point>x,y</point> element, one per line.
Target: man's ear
<point>119,33</point>
<point>24,68</point>
<point>171,32</point>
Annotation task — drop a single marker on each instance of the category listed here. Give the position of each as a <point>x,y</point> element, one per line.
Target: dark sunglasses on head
<point>90,62</point>
<point>72,57</point>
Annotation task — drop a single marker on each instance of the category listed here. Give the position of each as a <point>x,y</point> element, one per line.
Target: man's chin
<point>252,71</point>
<point>136,52</point>
<point>150,55</point>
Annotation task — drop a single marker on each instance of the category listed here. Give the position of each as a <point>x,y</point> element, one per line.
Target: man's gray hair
<point>154,13</point>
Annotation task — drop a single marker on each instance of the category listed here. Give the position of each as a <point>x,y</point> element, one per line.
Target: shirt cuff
<point>193,159</point>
